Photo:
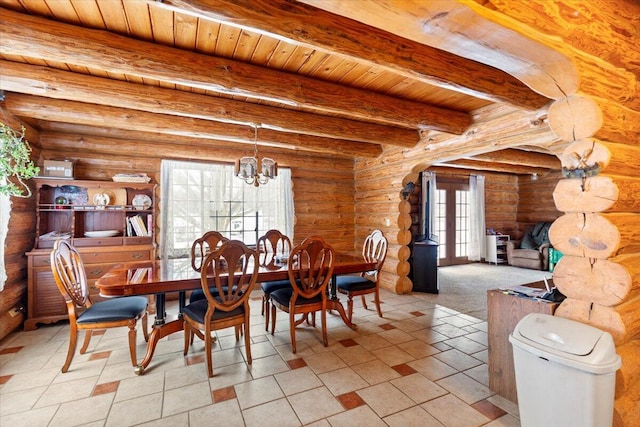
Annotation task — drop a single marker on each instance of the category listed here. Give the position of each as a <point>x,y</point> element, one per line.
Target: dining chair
<point>71,278</point>
<point>200,248</point>
<point>232,271</point>
<point>368,282</point>
<point>310,269</point>
<point>269,246</point>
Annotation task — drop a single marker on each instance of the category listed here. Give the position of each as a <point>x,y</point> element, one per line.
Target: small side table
<point>504,311</point>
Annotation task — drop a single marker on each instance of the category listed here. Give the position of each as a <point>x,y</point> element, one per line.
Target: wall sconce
<point>534,177</point>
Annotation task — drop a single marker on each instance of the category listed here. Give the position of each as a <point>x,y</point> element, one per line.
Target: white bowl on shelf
<point>102,233</point>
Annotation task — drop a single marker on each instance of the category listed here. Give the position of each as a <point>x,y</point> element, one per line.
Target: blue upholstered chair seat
<point>268,287</point>
<point>354,283</point>
<point>283,296</point>
<point>198,309</point>
<point>112,310</point>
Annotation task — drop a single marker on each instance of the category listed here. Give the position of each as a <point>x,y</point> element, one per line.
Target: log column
<point>599,235</point>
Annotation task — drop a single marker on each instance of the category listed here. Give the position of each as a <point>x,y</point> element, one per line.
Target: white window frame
<point>194,195</point>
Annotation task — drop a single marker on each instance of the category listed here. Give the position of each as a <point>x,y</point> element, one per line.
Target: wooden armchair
<point>310,269</point>
<point>374,249</point>
<point>200,248</point>
<point>272,244</point>
<point>71,279</point>
<point>232,271</point>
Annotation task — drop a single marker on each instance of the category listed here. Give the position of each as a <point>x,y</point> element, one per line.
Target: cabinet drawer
<point>114,257</point>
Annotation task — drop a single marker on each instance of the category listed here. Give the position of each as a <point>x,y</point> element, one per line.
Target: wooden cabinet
<point>504,311</point>
<point>496,248</point>
<point>102,233</point>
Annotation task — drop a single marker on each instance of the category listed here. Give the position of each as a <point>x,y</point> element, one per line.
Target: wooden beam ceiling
<point>140,121</point>
<point>65,85</point>
<point>33,37</point>
<point>333,33</point>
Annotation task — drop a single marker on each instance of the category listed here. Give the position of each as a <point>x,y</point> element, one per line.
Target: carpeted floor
<point>464,287</point>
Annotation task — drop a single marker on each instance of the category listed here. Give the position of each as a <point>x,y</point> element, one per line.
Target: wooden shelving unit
<point>66,209</point>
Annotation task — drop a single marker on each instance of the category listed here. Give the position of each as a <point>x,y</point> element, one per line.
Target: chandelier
<point>247,167</point>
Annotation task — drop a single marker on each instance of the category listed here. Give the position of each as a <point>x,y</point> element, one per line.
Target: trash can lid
<point>567,342</point>
<point>559,333</point>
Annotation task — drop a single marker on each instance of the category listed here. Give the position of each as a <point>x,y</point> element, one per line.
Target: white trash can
<point>565,372</point>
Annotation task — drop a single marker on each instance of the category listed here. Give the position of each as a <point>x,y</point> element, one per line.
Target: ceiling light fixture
<point>247,167</point>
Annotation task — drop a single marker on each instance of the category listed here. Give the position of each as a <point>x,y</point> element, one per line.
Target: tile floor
<point>421,365</point>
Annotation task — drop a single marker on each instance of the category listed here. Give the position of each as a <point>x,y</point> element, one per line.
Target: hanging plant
<point>15,163</point>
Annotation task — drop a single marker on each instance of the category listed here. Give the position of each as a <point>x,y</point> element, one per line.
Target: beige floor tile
<point>324,362</point>
<point>67,392</point>
<point>141,385</point>
<point>432,368</point>
<point>77,413</point>
<point>457,359</point>
<point>375,372</point>
<point>418,349</point>
<point>372,341</point>
<point>385,399</point>
<point>466,345</point>
<point>32,418</point>
<point>256,392</point>
<point>277,413</point>
<point>229,411</point>
<point>27,380</point>
<point>453,412</point>
<point>178,420</point>
<point>504,421</point>
<point>479,337</point>
<point>20,401</point>
<point>412,417</point>
<point>429,336</point>
<point>297,380</point>
<point>314,405</point>
<point>466,388</point>
<point>362,416</point>
<point>266,366</point>
<point>448,330</point>
<point>186,398</point>
<point>135,411</point>
<point>458,321</point>
<point>354,355</point>
<point>480,373</point>
<point>418,388</point>
<point>342,381</point>
<point>187,375</point>
<point>393,356</point>
<point>225,376</point>
<point>395,336</point>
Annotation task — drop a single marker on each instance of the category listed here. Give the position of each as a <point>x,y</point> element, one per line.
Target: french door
<point>453,222</point>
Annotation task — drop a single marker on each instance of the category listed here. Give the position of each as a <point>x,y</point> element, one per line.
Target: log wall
<point>19,239</point>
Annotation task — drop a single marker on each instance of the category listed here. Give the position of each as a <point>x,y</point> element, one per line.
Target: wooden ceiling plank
<point>34,37</point>
<point>42,81</point>
<point>134,120</point>
<point>307,24</point>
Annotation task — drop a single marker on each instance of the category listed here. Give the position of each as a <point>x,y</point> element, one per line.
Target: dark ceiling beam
<point>98,115</point>
<point>34,37</point>
<point>333,33</point>
<point>58,84</point>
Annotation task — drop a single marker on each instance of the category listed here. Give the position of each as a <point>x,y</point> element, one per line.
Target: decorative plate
<point>103,233</point>
<point>141,201</point>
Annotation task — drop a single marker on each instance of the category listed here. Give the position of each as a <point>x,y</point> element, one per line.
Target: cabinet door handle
<point>136,256</point>
<point>96,272</point>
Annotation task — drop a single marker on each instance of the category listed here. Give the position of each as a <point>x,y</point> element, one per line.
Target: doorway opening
<point>453,221</point>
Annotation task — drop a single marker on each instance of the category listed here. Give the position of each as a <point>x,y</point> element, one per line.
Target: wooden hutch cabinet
<point>108,222</point>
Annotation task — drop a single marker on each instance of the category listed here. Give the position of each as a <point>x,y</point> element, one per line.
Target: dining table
<point>162,276</point>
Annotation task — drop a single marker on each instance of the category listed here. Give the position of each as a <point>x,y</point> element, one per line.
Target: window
<point>5,212</point>
<point>200,197</point>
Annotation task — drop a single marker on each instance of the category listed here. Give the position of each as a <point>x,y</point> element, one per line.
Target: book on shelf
<point>136,226</point>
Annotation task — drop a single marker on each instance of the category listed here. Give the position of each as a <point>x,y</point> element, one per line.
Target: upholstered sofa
<point>532,251</point>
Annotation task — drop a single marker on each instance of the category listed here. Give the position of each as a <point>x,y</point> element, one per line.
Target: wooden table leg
<point>335,304</point>
<point>159,331</point>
